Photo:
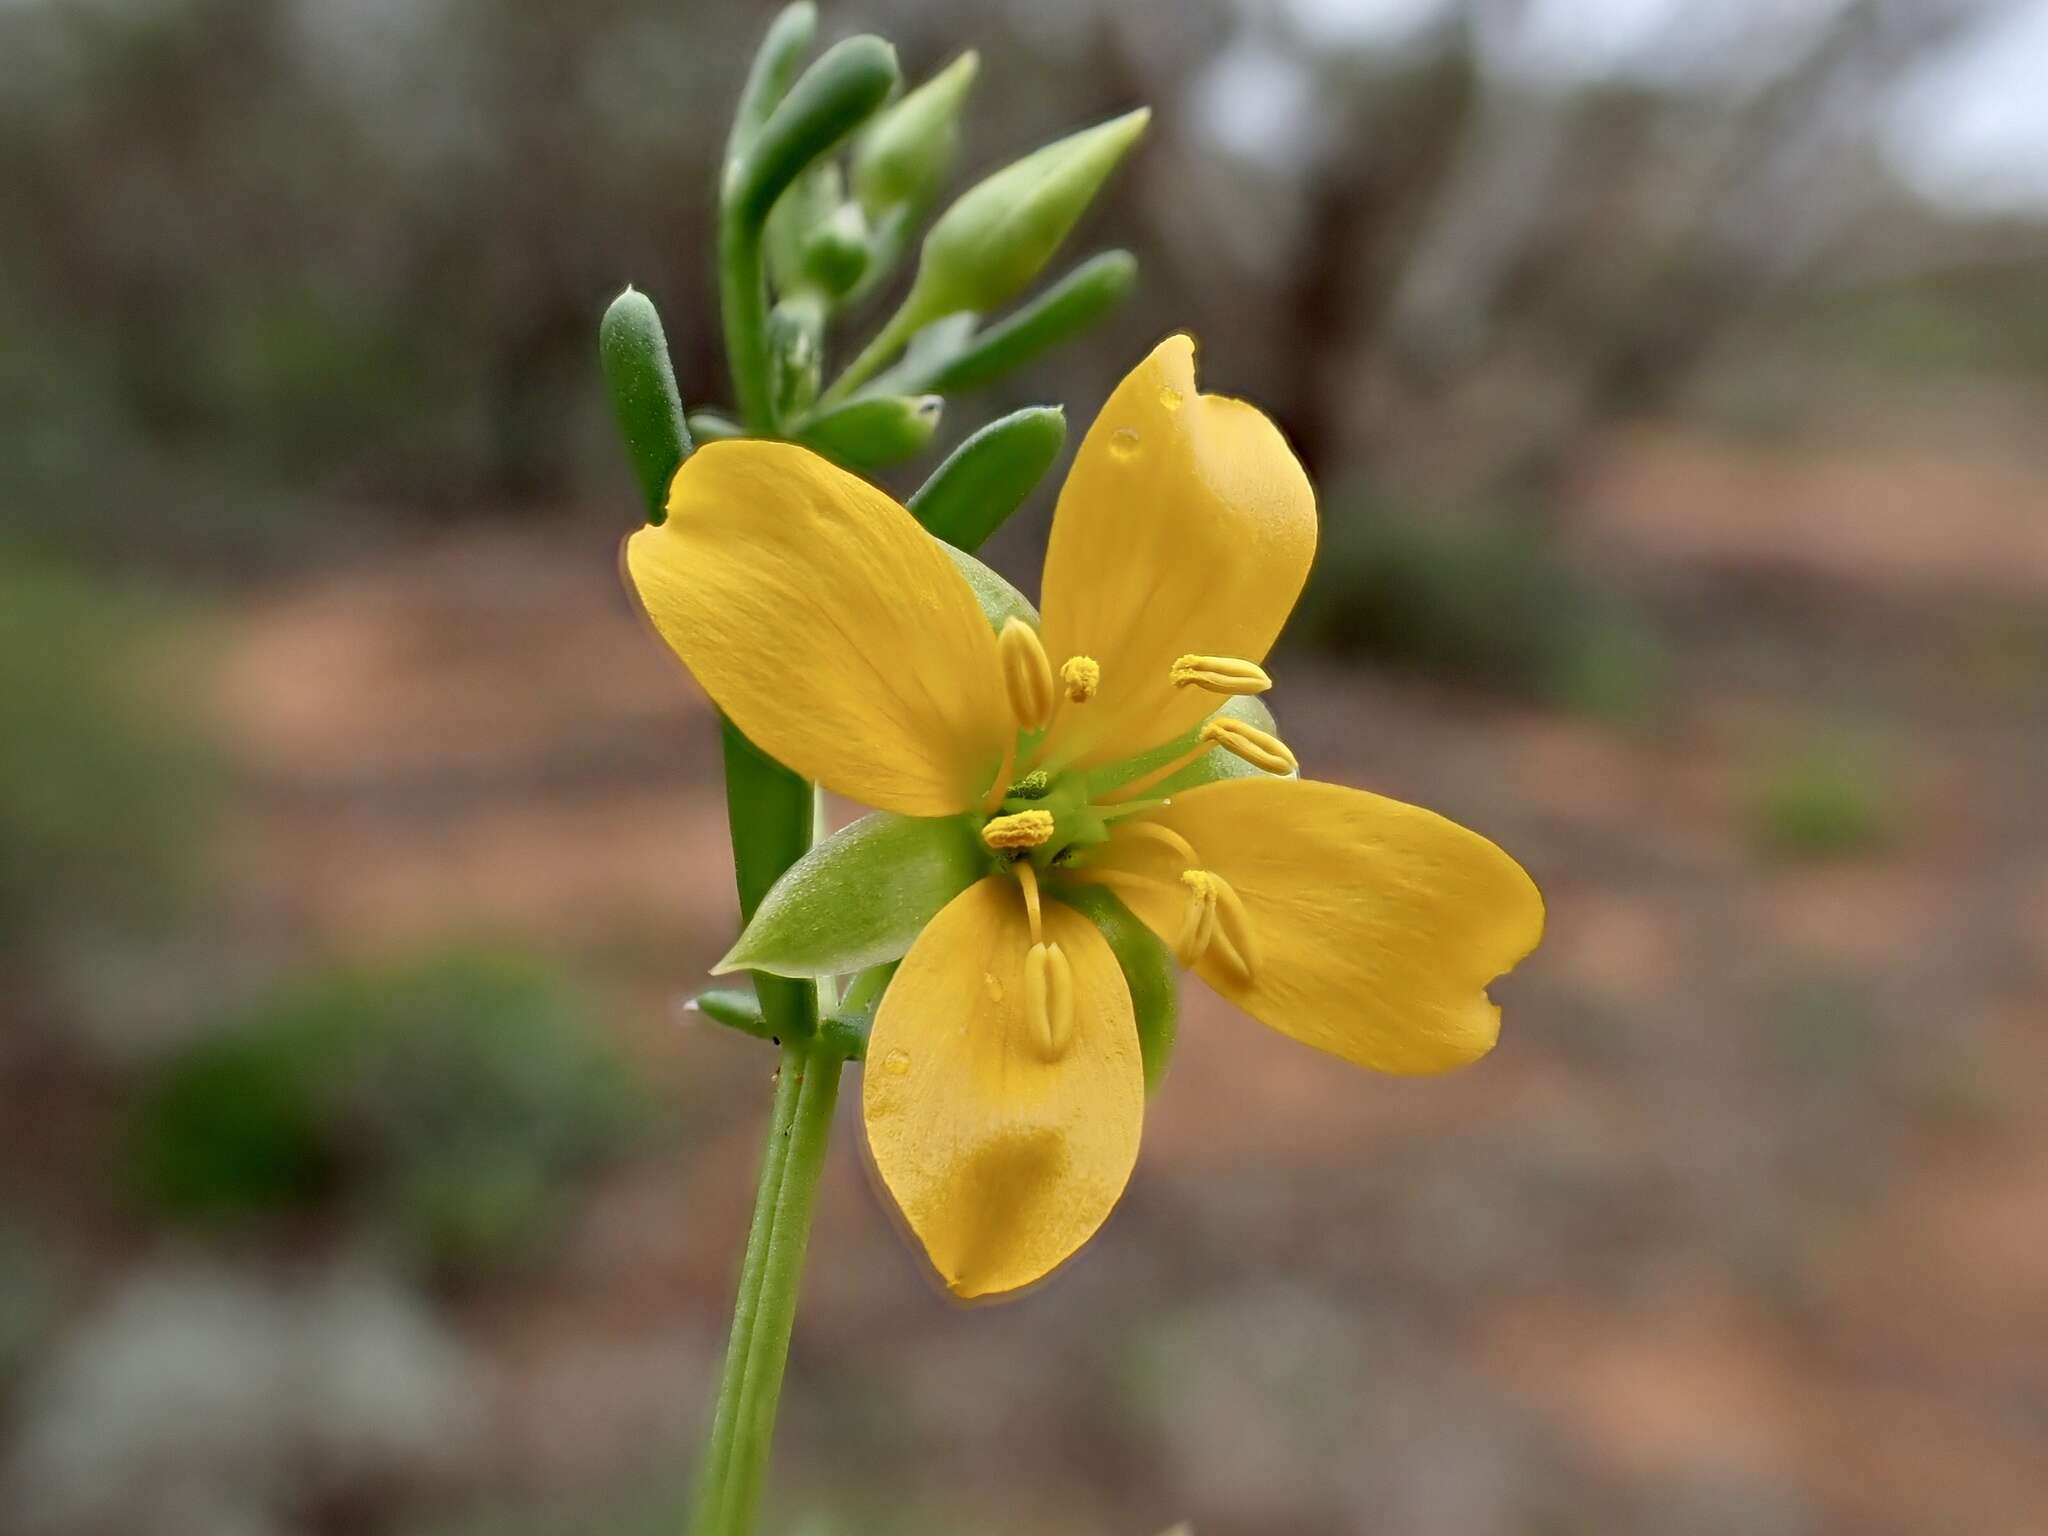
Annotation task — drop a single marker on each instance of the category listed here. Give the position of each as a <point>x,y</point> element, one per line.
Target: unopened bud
<point>906,154</point>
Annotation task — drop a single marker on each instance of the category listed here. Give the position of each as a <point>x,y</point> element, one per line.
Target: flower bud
<point>992,242</point>
<point>909,149</point>
<point>875,432</point>
<point>642,384</point>
<point>834,252</point>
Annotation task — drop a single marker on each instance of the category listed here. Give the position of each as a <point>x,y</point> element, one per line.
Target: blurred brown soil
<point>1681,1225</point>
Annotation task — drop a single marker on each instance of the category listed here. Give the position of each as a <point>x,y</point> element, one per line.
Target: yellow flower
<point>1003,1093</point>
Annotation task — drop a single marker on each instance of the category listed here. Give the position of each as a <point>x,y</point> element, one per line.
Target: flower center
<point>1046,821</point>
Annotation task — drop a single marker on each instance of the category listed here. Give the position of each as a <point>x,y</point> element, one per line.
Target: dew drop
<point>896,1063</point>
<point>993,987</point>
<point>1123,442</point>
<point>1169,397</point>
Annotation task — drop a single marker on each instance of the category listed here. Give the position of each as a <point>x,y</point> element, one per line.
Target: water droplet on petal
<point>1123,442</point>
<point>896,1063</point>
<point>993,987</point>
<point>1169,397</point>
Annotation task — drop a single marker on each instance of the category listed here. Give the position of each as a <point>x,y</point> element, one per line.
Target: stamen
<point>1219,674</point>
<point>1049,1000</point>
<point>1181,848</point>
<point>1027,675</point>
<point>1028,878</point>
<point>1128,880</point>
<point>1080,676</point>
<point>1262,749</point>
<point>1020,829</point>
<point>1215,925</point>
<point>1198,924</point>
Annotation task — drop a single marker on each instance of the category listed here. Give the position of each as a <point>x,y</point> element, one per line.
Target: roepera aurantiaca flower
<point>1004,1090</point>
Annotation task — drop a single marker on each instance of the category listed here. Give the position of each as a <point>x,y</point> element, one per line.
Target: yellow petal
<point>1186,526</point>
<point>828,625</point>
<point>1377,925</point>
<point>1002,1161</point>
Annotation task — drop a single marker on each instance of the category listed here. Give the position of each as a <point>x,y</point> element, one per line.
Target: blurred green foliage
<point>1827,797</point>
<point>448,1101</point>
<point>1482,600</point>
<point>106,796</point>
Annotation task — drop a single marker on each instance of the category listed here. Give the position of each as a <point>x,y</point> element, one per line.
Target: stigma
<point>1080,676</point>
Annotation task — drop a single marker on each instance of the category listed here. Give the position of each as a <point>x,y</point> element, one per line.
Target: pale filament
<point>1028,878</point>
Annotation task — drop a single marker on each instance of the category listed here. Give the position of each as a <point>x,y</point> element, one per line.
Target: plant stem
<point>713,1474</point>
<point>743,302</point>
<point>767,1305</point>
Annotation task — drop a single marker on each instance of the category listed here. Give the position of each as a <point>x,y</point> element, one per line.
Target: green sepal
<point>1148,967</point>
<point>645,401</point>
<point>908,150</point>
<point>988,476</point>
<point>1212,765</point>
<point>845,1031</point>
<point>776,61</point>
<point>1069,307</point>
<point>998,236</point>
<point>999,600</point>
<point>829,100</point>
<point>860,897</point>
<point>874,431</point>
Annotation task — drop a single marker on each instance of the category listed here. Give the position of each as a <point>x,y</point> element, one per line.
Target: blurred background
<point>1674,376</point>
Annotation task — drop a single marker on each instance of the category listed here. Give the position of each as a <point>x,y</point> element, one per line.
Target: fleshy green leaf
<point>860,897</point>
<point>1148,968</point>
<point>829,100</point>
<point>1058,314</point>
<point>776,61</point>
<point>642,385</point>
<point>873,432</point>
<point>987,477</point>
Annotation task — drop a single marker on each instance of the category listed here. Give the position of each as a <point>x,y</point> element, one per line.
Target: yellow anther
<point>1219,674</point>
<point>1198,924</point>
<point>1049,1000</point>
<point>1235,945</point>
<point>1021,829</point>
<point>1027,675</point>
<point>1080,676</point>
<point>1262,749</point>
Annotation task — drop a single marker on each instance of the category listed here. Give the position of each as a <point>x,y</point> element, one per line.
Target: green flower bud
<point>811,199</point>
<point>860,897</point>
<point>835,252</point>
<point>829,100</point>
<point>1001,233</point>
<point>1148,968</point>
<point>987,477</point>
<point>874,432</point>
<point>642,384</point>
<point>906,154</point>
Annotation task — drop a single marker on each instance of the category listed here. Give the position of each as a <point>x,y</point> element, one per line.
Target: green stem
<point>889,340</point>
<point>772,1306</point>
<point>713,1476</point>
<point>743,304</point>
